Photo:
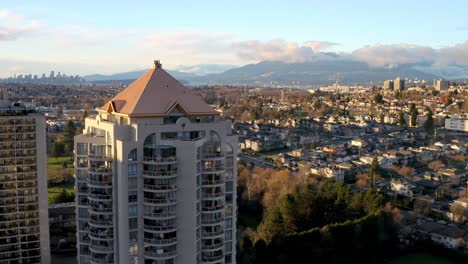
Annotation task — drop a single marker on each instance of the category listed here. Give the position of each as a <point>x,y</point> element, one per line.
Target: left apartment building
<point>24,226</point>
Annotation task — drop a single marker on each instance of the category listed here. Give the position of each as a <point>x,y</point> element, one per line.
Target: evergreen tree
<point>373,171</point>
<point>401,119</point>
<point>69,135</point>
<point>378,98</point>
<point>429,124</point>
<point>58,149</point>
<point>413,115</point>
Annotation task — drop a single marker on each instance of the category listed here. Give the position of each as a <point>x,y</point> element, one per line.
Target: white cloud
<point>14,25</point>
<point>394,55</point>
<point>400,54</point>
<point>279,50</point>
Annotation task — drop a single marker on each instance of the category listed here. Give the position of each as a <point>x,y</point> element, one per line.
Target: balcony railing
<point>160,254</point>
<point>160,200</point>
<point>160,159</point>
<point>159,228</point>
<point>213,233</point>
<point>157,241</point>
<point>160,173</point>
<point>160,187</point>
<point>213,246</point>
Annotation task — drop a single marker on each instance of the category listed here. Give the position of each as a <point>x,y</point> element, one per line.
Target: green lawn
<point>421,258</point>
<point>59,176</point>
<point>55,169</point>
<point>54,191</point>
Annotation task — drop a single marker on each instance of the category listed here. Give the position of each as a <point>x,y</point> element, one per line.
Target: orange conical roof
<point>156,93</point>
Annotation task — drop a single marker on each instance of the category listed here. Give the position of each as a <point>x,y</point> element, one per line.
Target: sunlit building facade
<point>24,225</point>
<point>155,178</point>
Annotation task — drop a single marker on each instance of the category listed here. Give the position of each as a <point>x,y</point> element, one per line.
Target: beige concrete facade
<point>24,222</point>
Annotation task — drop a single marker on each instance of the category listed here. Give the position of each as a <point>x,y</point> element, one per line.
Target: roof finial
<point>157,64</point>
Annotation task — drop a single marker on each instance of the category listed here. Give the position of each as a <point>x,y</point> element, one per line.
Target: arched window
<point>132,155</point>
<point>150,140</point>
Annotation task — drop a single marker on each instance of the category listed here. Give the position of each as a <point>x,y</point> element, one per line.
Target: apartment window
<point>133,236</point>
<point>132,196</point>
<point>132,182</point>
<point>228,246</point>
<point>229,186</point>
<point>82,148</point>
<point>132,169</point>
<point>83,213</point>
<point>228,235</point>
<point>228,223</point>
<point>228,258</point>
<point>133,210</point>
<point>229,198</point>
<point>133,223</point>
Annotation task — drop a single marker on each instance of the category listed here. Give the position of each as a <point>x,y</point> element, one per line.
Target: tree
<point>378,98</point>
<point>413,115</point>
<point>398,95</point>
<point>58,149</point>
<point>65,197</point>
<point>374,171</point>
<point>429,124</point>
<point>69,135</point>
<point>401,119</point>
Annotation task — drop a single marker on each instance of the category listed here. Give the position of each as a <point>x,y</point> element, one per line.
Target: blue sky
<point>109,36</point>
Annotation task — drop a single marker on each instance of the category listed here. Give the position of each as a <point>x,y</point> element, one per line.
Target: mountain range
<point>321,72</point>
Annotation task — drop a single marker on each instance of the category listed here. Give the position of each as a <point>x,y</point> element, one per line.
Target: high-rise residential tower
<point>156,178</point>
<point>399,84</point>
<point>24,222</point>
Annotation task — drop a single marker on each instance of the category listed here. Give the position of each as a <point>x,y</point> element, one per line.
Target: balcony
<point>160,174</point>
<point>212,234</point>
<point>212,181</point>
<point>104,249</point>
<point>215,256</point>
<point>160,254</point>
<point>102,259</point>
<point>100,170</point>
<point>213,208</point>
<point>159,241</point>
<point>159,187</point>
<point>99,184</point>
<point>101,233</point>
<point>159,160</point>
<point>159,228</point>
<point>161,200</point>
<point>217,245</point>
<point>212,220</point>
<point>98,157</point>
<point>213,156</point>
<point>100,197</point>
<point>213,195</point>
<point>100,223</point>
<point>214,169</point>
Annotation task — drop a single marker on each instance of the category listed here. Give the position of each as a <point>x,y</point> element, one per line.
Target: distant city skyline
<point>105,37</point>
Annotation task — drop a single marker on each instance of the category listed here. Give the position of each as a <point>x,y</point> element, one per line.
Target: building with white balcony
<point>24,225</point>
<point>156,178</point>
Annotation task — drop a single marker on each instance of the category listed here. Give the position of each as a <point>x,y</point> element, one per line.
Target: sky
<point>102,36</point>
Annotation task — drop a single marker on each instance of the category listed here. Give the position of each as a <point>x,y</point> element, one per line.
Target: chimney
<point>157,64</point>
